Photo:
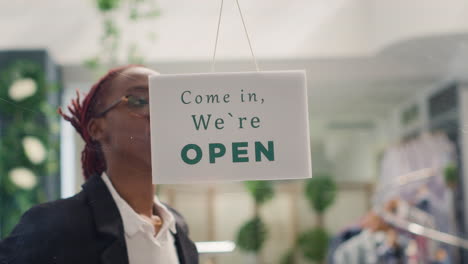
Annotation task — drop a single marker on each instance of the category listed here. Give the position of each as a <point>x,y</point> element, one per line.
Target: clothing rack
<point>414,176</point>
<point>410,225</point>
<point>423,231</point>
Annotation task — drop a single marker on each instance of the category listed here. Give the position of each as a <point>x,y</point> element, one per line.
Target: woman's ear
<point>95,129</point>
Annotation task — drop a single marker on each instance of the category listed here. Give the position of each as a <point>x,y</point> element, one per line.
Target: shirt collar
<point>133,222</point>
<point>165,214</point>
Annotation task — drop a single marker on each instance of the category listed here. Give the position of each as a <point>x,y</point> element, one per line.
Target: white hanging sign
<point>229,127</point>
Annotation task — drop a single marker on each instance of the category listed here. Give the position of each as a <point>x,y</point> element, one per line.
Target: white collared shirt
<point>142,244</point>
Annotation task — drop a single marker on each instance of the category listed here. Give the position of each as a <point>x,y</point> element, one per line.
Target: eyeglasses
<point>137,105</point>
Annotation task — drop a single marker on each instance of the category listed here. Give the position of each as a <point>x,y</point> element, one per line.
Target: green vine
<point>26,117</point>
<point>107,5</point>
<point>110,42</point>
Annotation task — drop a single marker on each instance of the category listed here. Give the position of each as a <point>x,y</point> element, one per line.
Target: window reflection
<point>388,108</point>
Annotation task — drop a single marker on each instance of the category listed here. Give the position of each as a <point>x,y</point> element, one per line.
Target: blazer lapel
<point>186,249</point>
<point>108,221</point>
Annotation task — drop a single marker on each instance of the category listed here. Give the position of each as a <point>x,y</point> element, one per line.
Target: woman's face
<point>125,130</point>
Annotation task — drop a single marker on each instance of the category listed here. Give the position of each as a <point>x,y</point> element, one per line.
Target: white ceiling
<point>186,29</point>
<point>362,57</point>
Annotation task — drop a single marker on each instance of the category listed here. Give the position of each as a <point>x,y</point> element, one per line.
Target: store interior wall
<point>286,215</point>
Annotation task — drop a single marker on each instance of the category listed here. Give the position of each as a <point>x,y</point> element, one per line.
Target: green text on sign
<point>218,150</point>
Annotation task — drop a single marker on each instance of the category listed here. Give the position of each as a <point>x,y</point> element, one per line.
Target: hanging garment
<point>361,249</point>
<point>339,239</point>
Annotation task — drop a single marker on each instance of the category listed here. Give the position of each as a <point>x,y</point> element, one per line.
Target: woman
<point>115,218</point>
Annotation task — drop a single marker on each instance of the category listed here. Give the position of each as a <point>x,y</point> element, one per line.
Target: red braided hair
<point>92,156</point>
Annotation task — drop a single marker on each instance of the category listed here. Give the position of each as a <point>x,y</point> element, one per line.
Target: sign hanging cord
<point>246,34</point>
<point>217,34</point>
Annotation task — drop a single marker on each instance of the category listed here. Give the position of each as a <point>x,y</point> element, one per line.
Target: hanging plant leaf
<point>111,29</point>
<point>288,257</point>
<point>321,192</point>
<point>262,191</point>
<point>314,244</point>
<point>92,63</point>
<point>252,235</point>
<point>153,13</point>
<point>451,175</point>
<point>134,15</point>
<point>107,5</point>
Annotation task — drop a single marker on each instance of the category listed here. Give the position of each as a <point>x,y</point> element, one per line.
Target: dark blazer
<point>86,228</point>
